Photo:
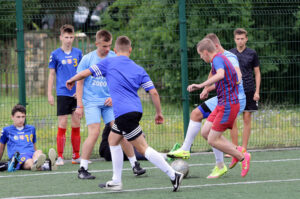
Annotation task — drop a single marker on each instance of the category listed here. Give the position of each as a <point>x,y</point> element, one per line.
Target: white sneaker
<point>76,161</point>
<point>112,186</point>
<point>38,163</point>
<point>52,157</point>
<point>59,161</point>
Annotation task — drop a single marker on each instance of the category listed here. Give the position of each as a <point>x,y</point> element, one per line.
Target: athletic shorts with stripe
<point>128,125</point>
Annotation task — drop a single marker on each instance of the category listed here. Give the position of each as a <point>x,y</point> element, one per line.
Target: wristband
<point>79,106</point>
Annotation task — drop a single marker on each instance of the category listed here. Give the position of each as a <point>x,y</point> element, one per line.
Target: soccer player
<point>225,78</point>
<point>124,77</point>
<point>63,62</point>
<point>204,110</point>
<point>92,94</point>
<point>249,62</point>
<point>21,147</point>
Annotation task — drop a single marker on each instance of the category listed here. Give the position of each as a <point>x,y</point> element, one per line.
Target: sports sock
<point>84,163</point>
<point>219,156</point>
<point>75,139</point>
<point>132,161</point>
<point>60,141</point>
<point>117,158</point>
<point>193,130</point>
<point>155,158</point>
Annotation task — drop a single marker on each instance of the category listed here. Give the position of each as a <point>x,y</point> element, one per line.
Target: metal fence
<point>164,35</point>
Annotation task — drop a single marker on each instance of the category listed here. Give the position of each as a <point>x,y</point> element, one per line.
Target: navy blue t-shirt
<point>248,60</point>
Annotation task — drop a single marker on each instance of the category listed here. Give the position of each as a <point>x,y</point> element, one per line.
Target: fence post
<point>20,51</point>
<point>184,70</point>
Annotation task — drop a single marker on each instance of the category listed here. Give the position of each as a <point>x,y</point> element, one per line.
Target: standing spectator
<point>248,63</point>
<point>63,62</point>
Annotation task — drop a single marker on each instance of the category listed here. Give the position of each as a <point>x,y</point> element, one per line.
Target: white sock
<point>193,130</point>
<point>155,158</point>
<point>84,163</point>
<point>117,158</point>
<point>218,155</point>
<point>132,161</point>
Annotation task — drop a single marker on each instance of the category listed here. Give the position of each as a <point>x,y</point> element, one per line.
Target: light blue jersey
<point>95,90</point>
<point>18,140</point>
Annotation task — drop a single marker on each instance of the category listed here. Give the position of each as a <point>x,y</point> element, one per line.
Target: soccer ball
<point>181,166</point>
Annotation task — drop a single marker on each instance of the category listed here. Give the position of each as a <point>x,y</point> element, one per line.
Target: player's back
<point>227,89</point>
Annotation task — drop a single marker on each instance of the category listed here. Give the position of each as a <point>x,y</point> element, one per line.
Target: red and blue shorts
<point>223,117</point>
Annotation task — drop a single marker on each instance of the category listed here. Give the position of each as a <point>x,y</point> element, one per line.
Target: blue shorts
<point>209,105</point>
<point>93,114</point>
<point>23,158</point>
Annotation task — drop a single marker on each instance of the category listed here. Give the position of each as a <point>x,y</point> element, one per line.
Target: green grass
<point>272,126</point>
<point>273,174</point>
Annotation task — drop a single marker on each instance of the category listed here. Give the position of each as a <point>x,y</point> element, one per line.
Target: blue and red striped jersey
<point>227,88</point>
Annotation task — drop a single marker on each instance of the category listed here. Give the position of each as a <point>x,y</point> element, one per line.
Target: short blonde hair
<point>206,44</point>
<point>240,31</point>
<point>104,34</point>
<point>213,37</point>
<point>123,44</point>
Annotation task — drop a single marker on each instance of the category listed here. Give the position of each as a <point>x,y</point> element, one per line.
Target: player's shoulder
<point>229,54</point>
<point>28,126</point>
<point>76,50</point>
<point>111,54</point>
<point>6,128</point>
<point>56,51</point>
<point>250,51</point>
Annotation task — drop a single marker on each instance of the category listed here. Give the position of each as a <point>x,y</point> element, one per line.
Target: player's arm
<point>83,74</point>
<point>159,119</point>
<point>215,78</point>
<point>34,146</point>
<point>50,86</point>
<point>2,147</point>
<point>79,93</point>
<point>257,82</point>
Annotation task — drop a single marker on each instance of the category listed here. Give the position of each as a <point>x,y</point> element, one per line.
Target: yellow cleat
<point>179,153</point>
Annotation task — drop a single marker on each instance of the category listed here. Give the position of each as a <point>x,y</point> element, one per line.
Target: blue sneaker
<point>12,164</point>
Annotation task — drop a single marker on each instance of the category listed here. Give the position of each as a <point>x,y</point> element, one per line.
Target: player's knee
<point>196,115</point>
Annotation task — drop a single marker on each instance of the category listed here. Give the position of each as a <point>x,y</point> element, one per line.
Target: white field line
<point>129,169</point>
<point>155,188</point>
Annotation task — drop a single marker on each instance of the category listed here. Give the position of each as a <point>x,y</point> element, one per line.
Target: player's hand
<point>51,100</point>
<point>204,94</point>
<point>159,118</point>
<point>70,84</point>
<point>256,97</point>
<point>108,102</point>
<point>194,87</point>
<point>79,112</point>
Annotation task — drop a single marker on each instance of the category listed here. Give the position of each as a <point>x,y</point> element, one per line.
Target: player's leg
<point>37,161</point>
<point>93,118</point>
<point>247,129</point>
<point>199,113</point>
<point>75,132</point>
<point>62,113</point>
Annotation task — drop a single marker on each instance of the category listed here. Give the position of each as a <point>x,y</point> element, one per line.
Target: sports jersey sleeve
<point>34,135</point>
<point>52,61</point>
<point>99,69</point>
<point>218,63</point>
<point>234,61</point>
<point>255,60</point>
<point>146,82</point>
<point>3,136</point>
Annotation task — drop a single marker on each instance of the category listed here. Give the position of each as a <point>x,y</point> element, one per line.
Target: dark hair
<point>104,34</point>
<point>18,108</point>
<point>67,28</point>
<point>240,31</point>
<point>123,43</point>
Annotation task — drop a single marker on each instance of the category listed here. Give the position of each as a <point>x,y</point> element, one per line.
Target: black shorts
<point>251,105</point>
<point>66,105</point>
<point>128,125</point>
